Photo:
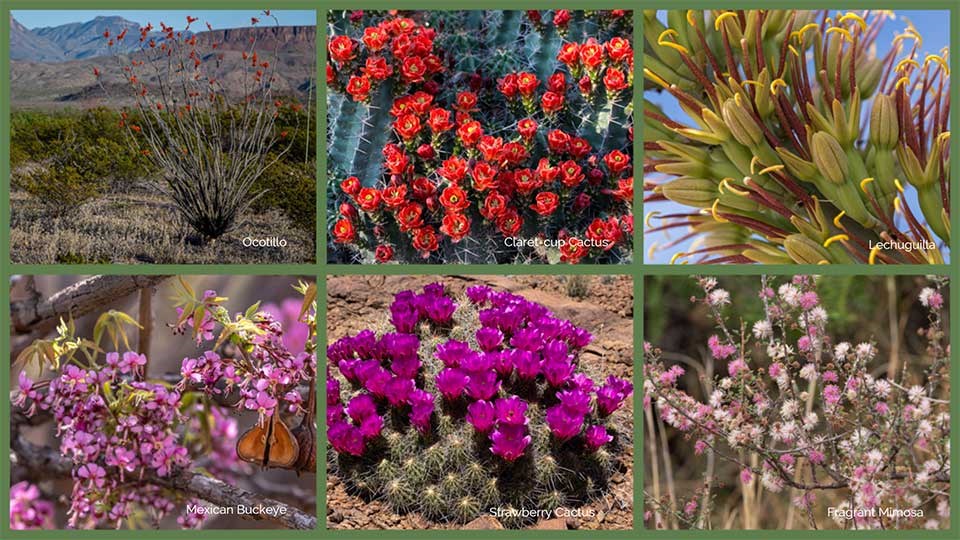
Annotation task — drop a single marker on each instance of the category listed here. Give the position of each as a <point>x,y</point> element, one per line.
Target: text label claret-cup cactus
<point>471,405</point>
<point>803,143</point>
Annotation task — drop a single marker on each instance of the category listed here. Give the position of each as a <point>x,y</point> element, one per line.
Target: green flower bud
<point>798,167</point>
<point>884,126</point>
<point>804,250</point>
<point>829,157</point>
<point>696,192</point>
<point>741,123</point>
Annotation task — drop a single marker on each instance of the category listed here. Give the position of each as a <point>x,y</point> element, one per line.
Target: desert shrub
<point>462,406</point>
<point>291,187</point>
<point>799,415</point>
<point>209,150</point>
<point>451,131</point>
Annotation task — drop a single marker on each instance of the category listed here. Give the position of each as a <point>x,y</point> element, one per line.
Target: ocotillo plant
<point>802,144</point>
<point>209,146</point>
<point>451,131</point>
<point>460,407</point>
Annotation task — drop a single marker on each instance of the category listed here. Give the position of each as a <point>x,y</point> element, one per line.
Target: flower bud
<point>884,126</point>
<point>426,151</point>
<point>797,166</point>
<point>804,250</point>
<point>741,123</point>
<point>829,157</point>
<point>696,192</point>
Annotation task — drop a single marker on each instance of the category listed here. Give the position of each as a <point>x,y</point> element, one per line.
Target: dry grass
<point>140,228</point>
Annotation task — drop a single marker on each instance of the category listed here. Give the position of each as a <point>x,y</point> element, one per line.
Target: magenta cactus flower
<point>510,441</point>
<point>596,437</point>
<point>481,415</point>
<point>451,382</point>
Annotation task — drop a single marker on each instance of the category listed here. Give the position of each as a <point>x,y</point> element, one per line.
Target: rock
<point>554,524</point>
<point>484,523</point>
<point>573,523</point>
<point>336,516</point>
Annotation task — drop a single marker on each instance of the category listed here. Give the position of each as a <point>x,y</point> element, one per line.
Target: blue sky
<point>934,26</point>
<point>175,18</point>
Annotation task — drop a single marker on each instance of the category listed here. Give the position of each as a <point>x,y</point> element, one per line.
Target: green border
<point>637,269</point>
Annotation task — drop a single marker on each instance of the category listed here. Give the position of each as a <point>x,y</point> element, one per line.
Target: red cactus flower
<point>410,217</point>
<point>374,38</point>
<point>614,80</point>
<point>439,120</point>
<point>558,141</point>
<point>341,49</point>
<point>526,181</point>
<point>384,253</point>
<point>508,85</point>
<point>490,147</point>
<point>571,173</point>
<point>619,49</point>
<point>591,54</point>
<point>527,128</point>
<point>617,162</point>
<point>425,240</point>
<point>579,147</point>
<point>470,133</point>
<point>493,205</point>
<point>546,203</point>
<point>557,83</point>
<point>454,199</point>
<point>413,69</point>
<point>456,226</point>
<point>407,126</point>
<point>359,87</point>
<point>561,17</point>
<point>377,68</point>
<point>368,199</point>
<point>423,188</point>
<point>527,83</point>
<point>453,169</point>
<point>343,232</point>
<point>466,102</point>
<point>509,222</point>
<point>572,251</point>
<point>569,54</point>
<point>547,173</point>
<point>484,176</point>
<point>514,153</point>
<point>552,102</point>
<point>394,195</point>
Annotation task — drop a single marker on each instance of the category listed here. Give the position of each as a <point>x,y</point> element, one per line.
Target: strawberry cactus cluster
<point>806,416</point>
<point>480,136</point>
<point>468,404</point>
<point>790,139</point>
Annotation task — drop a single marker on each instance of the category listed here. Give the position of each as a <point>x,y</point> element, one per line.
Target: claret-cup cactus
<point>801,143</point>
<point>467,405</point>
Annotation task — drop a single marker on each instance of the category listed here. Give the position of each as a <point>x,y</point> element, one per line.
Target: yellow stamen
<point>735,191</point>
<point>896,204</point>
<point>837,237</point>
<point>651,250</point>
<point>799,33</point>
<point>748,81</point>
<point>772,168</point>
<point>794,51</point>
<point>650,216</point>
<point>777,83</point>
<point>873,254</point>
<point>675,46</point>
<point>822,262</point>
<point>854,17</point>
<point>896,182</point>
<point>655,78</point>
<point>716,216</point>
<point>902,81</point>
<point>864,182</point>
<point>670,32</point>
<point>690,19</point>
<point>943,137</point>
<point>673,260</point>
<point>836,220</point>
<point>906,62</point>
<point>753,162</point>
<point>722,17</point>
<point>842,31</point>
